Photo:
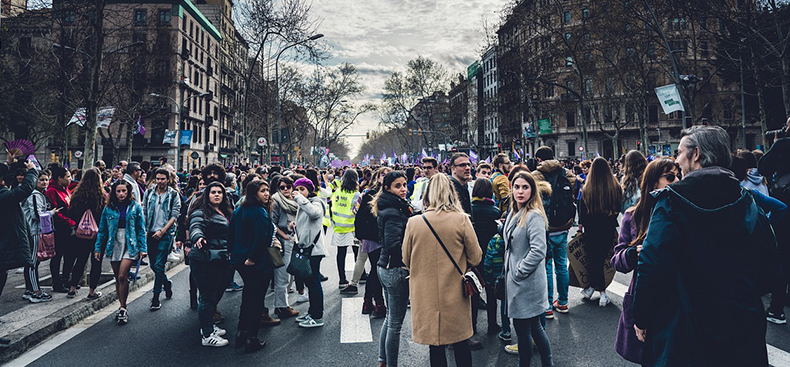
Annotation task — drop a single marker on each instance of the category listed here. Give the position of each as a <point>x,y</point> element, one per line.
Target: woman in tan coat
<point>440,312</point>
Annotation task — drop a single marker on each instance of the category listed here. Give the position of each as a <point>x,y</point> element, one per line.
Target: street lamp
<point>277,90</point>
<point>179,106</point>
<point>91,111</point>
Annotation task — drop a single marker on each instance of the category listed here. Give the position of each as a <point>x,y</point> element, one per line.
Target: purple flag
<point>488,160</point>
<point>383,157</point>
<point>424,155</point>
<point>515,152</point>
<point>473,156</point>
<point>139,129</point>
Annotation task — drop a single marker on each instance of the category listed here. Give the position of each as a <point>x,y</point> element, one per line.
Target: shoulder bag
<point>472,283</point>
<point>300,259</point>
<point>46,239</point>
<point>499,284</point>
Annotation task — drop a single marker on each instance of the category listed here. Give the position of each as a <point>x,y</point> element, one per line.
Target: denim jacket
<point>135,229</point>
<point>171,206</point>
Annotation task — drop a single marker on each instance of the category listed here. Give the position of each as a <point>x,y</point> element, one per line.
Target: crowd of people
<point>704,228</point>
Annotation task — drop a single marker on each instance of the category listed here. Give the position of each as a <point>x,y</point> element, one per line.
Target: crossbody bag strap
<point>442,243</point>
<point>35,209</point>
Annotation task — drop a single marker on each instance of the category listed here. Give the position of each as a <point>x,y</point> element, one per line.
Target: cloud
<point>381,36</point>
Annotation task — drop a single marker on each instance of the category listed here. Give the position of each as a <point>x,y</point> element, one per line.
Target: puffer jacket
<point>365,222</point>
<point>135,230</point>
<point>36,202</point>
<point>213,229</point>
<point>15,238</point>
<point>548,169</point>
<point>309,225</point>
<point>393,214</point>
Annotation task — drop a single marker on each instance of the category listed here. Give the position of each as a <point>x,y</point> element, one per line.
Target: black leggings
<point>76,259</point>
<point>63,240</point>
<point>463,355</point>
<point>528,330</point>
<point>341,260</point>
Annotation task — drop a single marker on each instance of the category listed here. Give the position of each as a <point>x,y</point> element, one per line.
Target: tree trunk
<point>785,78</point>
<point>93,94</point>
<point>760,96</point>
<point>129,139</point>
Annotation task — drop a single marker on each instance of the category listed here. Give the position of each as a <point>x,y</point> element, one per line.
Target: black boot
<point>193,300</point>
<point>254,345</point>
<point>241,338</point>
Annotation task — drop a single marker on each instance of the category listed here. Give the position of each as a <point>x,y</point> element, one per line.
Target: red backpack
<point>87,228</point>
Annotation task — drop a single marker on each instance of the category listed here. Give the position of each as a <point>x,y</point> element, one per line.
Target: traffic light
<point>367,135</point>
<point>419,132</point>
<point>638,145</point>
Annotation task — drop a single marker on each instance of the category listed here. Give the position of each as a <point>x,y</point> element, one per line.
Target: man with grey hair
<point>708,257</point>
<point>131,173</point>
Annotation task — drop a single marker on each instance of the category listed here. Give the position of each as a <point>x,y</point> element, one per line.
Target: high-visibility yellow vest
<point>327,222</point>
<point>418,188</point>
<point>342,211</point>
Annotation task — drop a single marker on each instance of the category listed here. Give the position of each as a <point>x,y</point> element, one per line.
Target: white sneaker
<point>218,331</point>
<point>214,340</point>
<point>301,298</point>
<point>588,292</point>
<point>604,300</point>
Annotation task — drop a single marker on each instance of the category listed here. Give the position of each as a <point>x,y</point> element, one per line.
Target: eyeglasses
<point>671,177</point>
<point>463,165</point>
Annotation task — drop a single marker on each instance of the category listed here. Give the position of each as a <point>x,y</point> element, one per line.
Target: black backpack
<point>560,208</point>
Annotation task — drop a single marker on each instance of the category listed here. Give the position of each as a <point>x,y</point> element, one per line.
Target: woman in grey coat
<point>526,288</point>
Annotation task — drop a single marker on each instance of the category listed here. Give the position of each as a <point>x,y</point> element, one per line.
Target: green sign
<point>544,125</point>
<point>471,71</point>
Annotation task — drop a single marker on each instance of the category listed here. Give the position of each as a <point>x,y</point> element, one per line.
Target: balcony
<point>226,132</point>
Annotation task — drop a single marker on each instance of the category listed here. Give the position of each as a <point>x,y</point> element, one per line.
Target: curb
<point>34,333</point>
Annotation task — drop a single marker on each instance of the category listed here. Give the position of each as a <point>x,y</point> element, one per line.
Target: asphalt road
<point>170,336</point>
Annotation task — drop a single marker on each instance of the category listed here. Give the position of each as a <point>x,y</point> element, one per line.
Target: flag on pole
<point>424,155</point>
<point>395,156</point>
<point>170,137</point>
<point>383,157</point>
<point>515,152</point>
<point>104,117</point>
<point>488,160</point>
<point>404,157</point>
<point>78,117</point>
<point>367,157</point>
<point>140,129</point>
<point>473,156</point>
<point>597,154</point>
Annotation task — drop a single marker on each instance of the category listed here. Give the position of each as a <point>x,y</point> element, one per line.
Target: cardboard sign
<point>578,263</point>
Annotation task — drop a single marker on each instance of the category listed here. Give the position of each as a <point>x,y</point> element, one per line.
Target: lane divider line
<point>354,326</point>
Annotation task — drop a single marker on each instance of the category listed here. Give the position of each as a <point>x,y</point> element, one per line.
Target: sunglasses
<point>463,165</point>
<point>284,187</point>
<point>671,177</point>
<point>427,167</point>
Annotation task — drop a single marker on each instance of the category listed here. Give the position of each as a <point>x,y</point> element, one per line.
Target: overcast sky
<point>381,36</point>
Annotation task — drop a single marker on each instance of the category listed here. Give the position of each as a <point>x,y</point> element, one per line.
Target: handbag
<point>46,239</point>
<point>300,260</point>
<point>218,255</point>
<point>471,282</point>
<point>275,257</point>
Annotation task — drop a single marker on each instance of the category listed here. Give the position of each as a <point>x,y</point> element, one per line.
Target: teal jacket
<point>135,229</point>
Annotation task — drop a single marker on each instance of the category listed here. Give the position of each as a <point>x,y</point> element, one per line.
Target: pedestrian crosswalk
<point>354,327</point>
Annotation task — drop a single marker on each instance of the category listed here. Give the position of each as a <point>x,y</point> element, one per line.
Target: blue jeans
<point>158,251</point>
<point>557,253</point>
<point>211,278</point>
<point>315,292</point>
<point>396,292</point>
<point>527,330</point>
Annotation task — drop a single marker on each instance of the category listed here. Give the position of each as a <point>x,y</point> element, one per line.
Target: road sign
<point>261,142</point>
<point>78,154</point>
<point>195,155</point>
<point>581,149</point>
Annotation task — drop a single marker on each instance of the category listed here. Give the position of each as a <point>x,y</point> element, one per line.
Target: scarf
<point>287,205</point>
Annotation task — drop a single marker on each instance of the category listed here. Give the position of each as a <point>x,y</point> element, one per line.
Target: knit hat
<point>306,183</point>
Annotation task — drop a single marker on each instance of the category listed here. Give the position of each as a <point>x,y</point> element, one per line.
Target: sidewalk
<point>28,324</point>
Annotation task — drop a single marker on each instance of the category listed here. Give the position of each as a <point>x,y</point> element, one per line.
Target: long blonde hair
<point>441,196</point>
<point>535,202</point>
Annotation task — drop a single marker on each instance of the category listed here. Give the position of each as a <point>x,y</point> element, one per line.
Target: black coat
<point>365,225</point>
<point>393,213</point>
<point>707,259</point>
<point>214,229</point>
<point>15,237</point>
<point>463,195</point>
<point>485,216</point>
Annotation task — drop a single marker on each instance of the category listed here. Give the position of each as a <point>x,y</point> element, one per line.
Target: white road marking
<point>776,357</point>
<point>354,326</point>
<point>350,262</point>
<point>64,336</point>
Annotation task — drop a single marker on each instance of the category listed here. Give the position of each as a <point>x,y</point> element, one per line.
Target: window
<point>164,17</point>
<point>184,23</point>
<point>566,17</point>
<point>162,69</point>
<point>706,74</point>
<point>139,17</point>
<point>610,85</point>
<point>704,50</point>
<point>571,148</point>
<point>585,13</point>
<point>68,17</point>
<point>570,118</point>
<point>588,86</point>
<point>652,114</point>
